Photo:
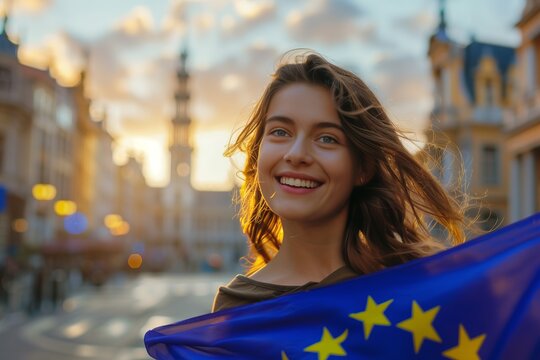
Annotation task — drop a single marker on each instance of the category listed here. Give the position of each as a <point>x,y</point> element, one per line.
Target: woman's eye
<point>279,132</point>
<point>328,139</point>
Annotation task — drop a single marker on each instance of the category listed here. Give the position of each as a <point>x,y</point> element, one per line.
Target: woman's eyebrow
<point>280,119</point>
<point>319,125</point>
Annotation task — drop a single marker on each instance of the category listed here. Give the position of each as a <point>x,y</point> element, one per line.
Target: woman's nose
<point>299,152</point>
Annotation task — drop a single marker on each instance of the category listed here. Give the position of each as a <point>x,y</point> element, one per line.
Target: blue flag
<point>480,300</point>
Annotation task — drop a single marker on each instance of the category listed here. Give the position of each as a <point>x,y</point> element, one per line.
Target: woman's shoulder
<point>242,290</point>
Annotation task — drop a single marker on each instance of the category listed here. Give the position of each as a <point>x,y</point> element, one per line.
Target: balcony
<point>527,112</point>
<point>488,115</point>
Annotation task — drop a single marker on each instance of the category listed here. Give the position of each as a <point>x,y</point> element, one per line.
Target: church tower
<point>180,145</point>
<point>179,195</point>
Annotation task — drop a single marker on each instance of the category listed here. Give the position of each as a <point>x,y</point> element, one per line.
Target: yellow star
<point>284,356</point>
<point>328,345</point>
<point>372,315</point>
<point>467,348</point>
<point>420,325</point>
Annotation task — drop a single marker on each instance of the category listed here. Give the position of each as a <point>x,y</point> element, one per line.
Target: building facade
<point>474,94</point>
<point>15,124</point>
<point>523,129</point>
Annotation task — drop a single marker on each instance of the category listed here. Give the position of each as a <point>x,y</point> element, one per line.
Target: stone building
<point>474,93</point>
<point>523,129</point>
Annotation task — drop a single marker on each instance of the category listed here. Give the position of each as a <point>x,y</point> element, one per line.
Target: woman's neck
<point>309,252</point>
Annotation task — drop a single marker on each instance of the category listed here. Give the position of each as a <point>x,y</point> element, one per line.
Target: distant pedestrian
<point>36,299</point>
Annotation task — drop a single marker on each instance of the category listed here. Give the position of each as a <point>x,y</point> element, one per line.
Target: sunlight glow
<point>76,329</point>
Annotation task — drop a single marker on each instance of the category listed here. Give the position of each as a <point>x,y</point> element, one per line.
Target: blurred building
<point>475,90</point>
<point>523,129</point>
<point>15,137</point>
<point>132,201</point>
<point>48,137</point>
<point>200,225</point>
<point>37,132</point>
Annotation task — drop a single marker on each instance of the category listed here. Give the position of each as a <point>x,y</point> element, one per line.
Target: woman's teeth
<point>309,184</point>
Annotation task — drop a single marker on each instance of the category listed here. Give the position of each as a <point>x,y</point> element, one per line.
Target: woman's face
<point>306,167</point>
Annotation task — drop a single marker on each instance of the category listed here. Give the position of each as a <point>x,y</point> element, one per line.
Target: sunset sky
<point>131,48</point>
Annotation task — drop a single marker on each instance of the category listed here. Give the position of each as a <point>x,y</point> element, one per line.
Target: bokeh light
<point>65,207</point>
<point>19,225</point>
<point>75,223</point>
<point>135,261</point>
<point>121,229</point>
<point>44,191</point>
<point>113,221</point>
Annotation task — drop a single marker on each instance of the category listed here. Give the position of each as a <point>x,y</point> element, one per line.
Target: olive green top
<point>243,290</point>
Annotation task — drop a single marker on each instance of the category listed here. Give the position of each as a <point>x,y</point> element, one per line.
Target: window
<point>490,165</point>
<point>489,93</point>
<point>446,88</point>
<point>534,63</point>
<point>5,78</point>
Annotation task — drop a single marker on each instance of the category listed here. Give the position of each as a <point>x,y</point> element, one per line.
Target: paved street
<point>108,323</point>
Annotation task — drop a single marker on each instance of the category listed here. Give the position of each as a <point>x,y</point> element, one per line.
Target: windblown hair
<point>388,220</point>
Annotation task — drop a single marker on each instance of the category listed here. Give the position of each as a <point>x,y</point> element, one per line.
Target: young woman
<point>330,191</point>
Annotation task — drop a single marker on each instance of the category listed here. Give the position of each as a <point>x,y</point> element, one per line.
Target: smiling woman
<point>330,191</point>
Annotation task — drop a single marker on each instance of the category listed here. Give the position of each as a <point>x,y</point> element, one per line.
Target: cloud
<point>122,62</point>
<point>204,22</point>
<point>240,81</point>
<point>175,20</point>
<point>252,9</point>
<point>62,53</point>
<point>404,85</point>
<point>30,6</point>
<point>249,14</point>
<point>420,23</point>
<point>139,21</point>
<point>144,124</point>
<point>329,22</point>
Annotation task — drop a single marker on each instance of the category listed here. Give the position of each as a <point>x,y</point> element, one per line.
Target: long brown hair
<point>388,215</point>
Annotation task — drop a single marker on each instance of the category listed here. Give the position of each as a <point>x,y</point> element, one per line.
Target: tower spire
<point>5,18</point>
<point>442,17</point>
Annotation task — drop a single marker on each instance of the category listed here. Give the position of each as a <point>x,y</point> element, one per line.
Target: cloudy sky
<point>130,49</point>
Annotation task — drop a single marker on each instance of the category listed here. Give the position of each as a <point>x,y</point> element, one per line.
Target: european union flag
<point>480,300</point>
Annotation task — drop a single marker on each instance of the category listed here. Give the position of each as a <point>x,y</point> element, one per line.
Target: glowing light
<point>65,207</point>
<point>121,229</point>
<point>250,9</point>
<point>113,221</point>
<point>43,191</point>
<point>19,225</point>
<point>231,82</point>
<point>117,327</point>
<point>77,329</point>
<point>75,223</point>
<point>135,261</point>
